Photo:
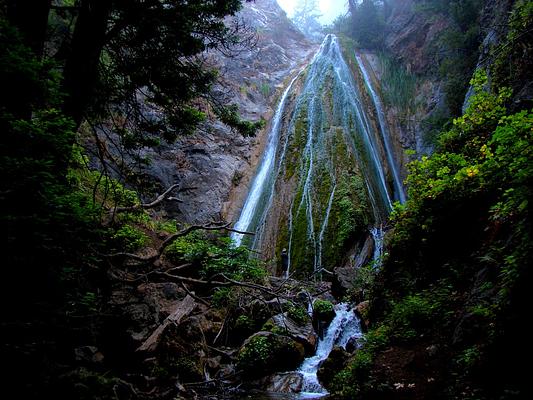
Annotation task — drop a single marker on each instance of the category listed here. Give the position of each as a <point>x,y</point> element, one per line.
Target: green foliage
<point>297,313</point>
<point>323,309</point>
<point>130,238</point>
<point>356,376</point>
<point>263,354</point>
<point>269,326</point>
<point>398,85</point>
<point>364,280</point>
<point>466,220</point>
<point>469,357</point>
<point>255,353</point>
<point>168,226</point>
<point>188,369</point>
<point>513,57</point>
<point>457,47</point>
<point>244,322</point>
<point>411,316</point>
<point>222,297</point>
<point>265,89</point>
<point>214,256</point>
<point>433,125</point>
<point>368,27</point>
<point>230,116</point>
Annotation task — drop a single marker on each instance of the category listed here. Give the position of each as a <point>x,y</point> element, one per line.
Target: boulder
<point>335,362</point>
<point>352,345</point>
<point>263,310</point>
<point>361,310</point>
<point>266,352</point>
<point>345,276</point>
<point>304,334</point>
<point>163,297</point>
<point>288,382</point>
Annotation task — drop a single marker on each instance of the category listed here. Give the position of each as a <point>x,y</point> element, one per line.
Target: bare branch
<point>146,206</point>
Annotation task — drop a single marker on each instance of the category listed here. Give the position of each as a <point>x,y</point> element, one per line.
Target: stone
<point>361,310</point>
<point>336,361</point>
<point>345,276</point>
<point>304,334</point>
<point>209,160</point>
<point>352,345</point>
<point>289,382</point>
<point>265,353</point>
<point>88,354</point>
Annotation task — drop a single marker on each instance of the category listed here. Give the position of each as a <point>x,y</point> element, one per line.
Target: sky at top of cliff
<point>330,9</point>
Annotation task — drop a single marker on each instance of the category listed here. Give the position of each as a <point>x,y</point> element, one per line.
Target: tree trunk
<point>81,68</point>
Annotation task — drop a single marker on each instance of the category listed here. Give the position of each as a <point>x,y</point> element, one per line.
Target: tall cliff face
<point>215,163</point>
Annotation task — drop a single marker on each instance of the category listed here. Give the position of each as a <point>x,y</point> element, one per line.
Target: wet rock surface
<point>289,382</point>
<point>302,333</point>
<point>216,163</point>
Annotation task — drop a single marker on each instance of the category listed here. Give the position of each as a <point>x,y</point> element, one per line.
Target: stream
<point>344,327</point>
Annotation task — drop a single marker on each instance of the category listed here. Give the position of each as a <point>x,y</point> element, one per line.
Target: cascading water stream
<point>264,174</point>
<point>377,233</point>
<point>384,131</point>
<point>344,326</point>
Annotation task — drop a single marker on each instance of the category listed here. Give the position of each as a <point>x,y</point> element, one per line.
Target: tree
<point>306,16</point>
<point>367,24</point>
<point>120,47</point>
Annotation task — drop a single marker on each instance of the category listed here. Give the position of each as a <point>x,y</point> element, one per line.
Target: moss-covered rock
<point>265,353</point>
<point>335,362</point>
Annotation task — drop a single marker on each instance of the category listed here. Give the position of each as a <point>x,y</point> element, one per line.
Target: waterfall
<point>263,177</point>
<point>320,140</point>
<point>330,100</point>
<point>344,326</point>
<point>385,136</point>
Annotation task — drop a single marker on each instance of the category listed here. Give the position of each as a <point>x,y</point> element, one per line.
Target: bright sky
<point>330,9</point>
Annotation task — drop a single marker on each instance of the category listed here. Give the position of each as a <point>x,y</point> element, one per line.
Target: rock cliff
<point>214,160</point>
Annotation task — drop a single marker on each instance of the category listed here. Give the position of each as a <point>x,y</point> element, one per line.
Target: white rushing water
<point>328,106</point>
<point>344,326</point>
<point>264,173</point>
<point>330,99</point>
<point>377,233</point>
<point>385,136</point>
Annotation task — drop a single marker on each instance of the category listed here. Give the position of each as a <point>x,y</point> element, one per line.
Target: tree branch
<point>213,226</point>
<point>147,206</point>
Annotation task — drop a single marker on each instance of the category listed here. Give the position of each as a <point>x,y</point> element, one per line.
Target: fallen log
<point>183,308</point>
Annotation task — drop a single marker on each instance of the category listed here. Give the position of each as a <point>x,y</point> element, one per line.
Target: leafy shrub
<point>297,313</point>
<point>214,256</point>
<point>410,316</point>
<point>130,238</point>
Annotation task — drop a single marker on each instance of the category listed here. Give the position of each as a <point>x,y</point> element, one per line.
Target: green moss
<point>349,218</point>
<point>323,310</point>
<point>296,143</point>
<point>256,353</point>
<point>188,369</point>
<point>265,354</point>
